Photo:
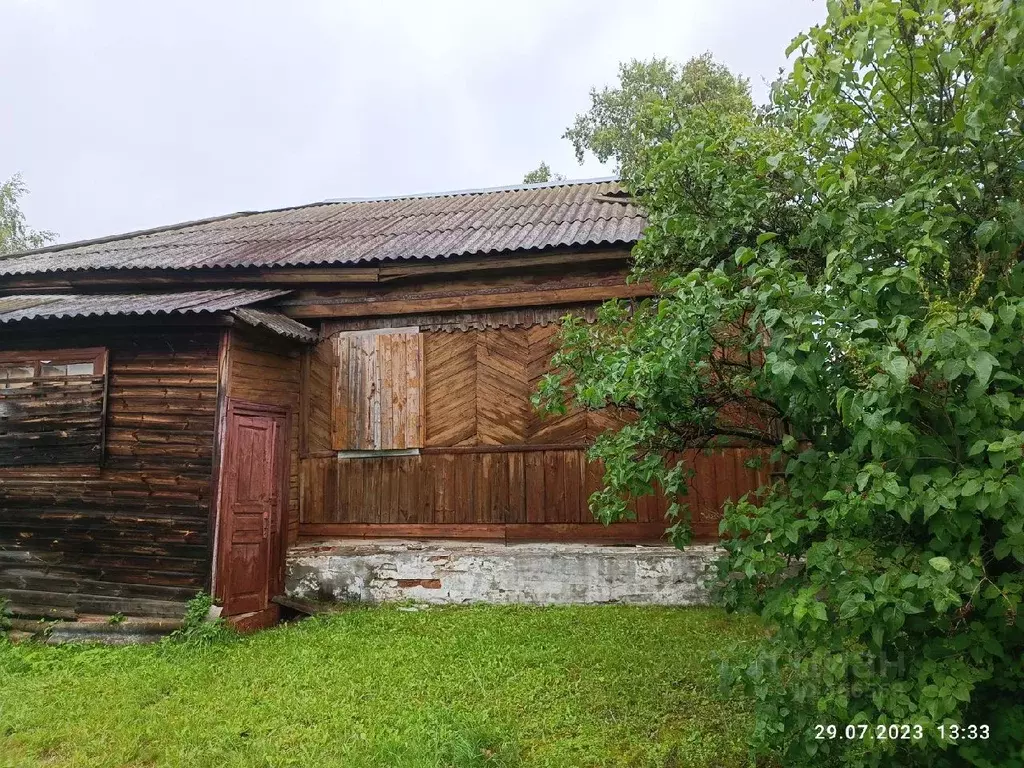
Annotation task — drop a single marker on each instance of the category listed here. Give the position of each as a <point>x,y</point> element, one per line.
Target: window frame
<point>36,358</point>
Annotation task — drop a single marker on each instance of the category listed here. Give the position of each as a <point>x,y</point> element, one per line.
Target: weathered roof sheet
<point>534,216</point>
<point>277,323</point>
<point>54,306</point>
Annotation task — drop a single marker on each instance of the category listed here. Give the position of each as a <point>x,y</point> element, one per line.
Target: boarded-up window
<point>52,407</point>
<point>378,382</point>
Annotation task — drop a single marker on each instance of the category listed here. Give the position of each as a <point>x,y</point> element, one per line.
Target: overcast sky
<point>126,115</point>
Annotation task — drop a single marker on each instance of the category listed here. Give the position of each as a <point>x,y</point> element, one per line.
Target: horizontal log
<point>302,276</point>
<point>624,532</point>
<point>70,583</point>
<point>586,532</point>
<point>136,528</point>
<point>371,307</point>
<point>463,449</point>
<point>358,531</point>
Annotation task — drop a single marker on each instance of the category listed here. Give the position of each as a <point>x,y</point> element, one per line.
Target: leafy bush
<point>840,279</point>
<point>197,628</point>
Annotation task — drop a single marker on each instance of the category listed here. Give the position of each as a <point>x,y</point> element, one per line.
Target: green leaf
<point>795,43</point>
<point>744,255</point>
<point>765,237</point>
<point>951,369</point>
<point>1007,314</point>
<point>950,59</point>
<point>983,363</point>
<point>985,232</point>
<point>940,564</point>
<point>784,371</point>
<point>970,488</point>
<point>899,368</point>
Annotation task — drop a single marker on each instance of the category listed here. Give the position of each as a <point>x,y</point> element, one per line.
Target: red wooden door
<point>253,491</point>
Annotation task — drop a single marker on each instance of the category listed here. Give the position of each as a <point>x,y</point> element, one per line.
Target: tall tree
<point>648,104</point>
<point>542,173</point>
<point>15,235</point>
<point>841,281</point>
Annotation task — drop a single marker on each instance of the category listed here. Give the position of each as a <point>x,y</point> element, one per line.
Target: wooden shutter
<point>378,383</point>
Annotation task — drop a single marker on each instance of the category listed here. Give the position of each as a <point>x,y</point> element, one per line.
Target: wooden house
<point>179,406</point>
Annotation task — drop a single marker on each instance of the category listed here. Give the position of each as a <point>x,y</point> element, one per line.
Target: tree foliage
<point>542,173</point>
<point>15,235</point>
<point>618,125</point>
<point>840,278</point>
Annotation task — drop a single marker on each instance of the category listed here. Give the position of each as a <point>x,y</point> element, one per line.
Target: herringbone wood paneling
<point>451,408</point>
<point>479,385</point>
<point>502,386</point>
<point>546,429</point>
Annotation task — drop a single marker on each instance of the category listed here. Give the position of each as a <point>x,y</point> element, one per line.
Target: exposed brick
<point>425,583</point>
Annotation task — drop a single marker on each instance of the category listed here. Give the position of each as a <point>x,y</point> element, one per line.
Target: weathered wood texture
<point>377,390</point>
<point>132,535</point>
<point>440,293</point>
<point>317,398</point>
<point>266,371</point>
<point>49,421</point>
<point>526,494</point>
<point>478,388</point>
<point>494,467</point>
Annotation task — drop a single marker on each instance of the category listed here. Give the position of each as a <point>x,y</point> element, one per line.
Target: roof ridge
<point>476,191</point>
<point>57,247</point>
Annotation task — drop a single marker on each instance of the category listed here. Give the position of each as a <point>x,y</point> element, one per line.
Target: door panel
<point>251,506</point>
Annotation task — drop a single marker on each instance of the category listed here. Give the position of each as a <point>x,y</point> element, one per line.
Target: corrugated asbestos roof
<point>55,306</point>
<point>550,215</point>
<point>277,323</point>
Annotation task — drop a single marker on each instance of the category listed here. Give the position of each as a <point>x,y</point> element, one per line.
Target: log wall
<point>132,535</point>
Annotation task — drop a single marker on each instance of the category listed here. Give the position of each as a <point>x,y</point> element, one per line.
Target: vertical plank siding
<point>531,492</point>
<point>131,535</point>
<point>376,399</point>
<point>266,371</point>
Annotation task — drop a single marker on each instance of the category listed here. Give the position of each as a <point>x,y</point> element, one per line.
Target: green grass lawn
<point>495,686</point>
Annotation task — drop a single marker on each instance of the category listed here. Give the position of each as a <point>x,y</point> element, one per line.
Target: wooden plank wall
<point>530,495</point>
<point>316,405</point>
<point>266,370</point>
<point>376,403</point>
<point>492,467</point>
<point>132,536</point>
<point>59,419</point>
<point>437,291</point>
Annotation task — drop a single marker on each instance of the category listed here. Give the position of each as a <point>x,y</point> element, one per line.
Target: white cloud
<point>123,115</point>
